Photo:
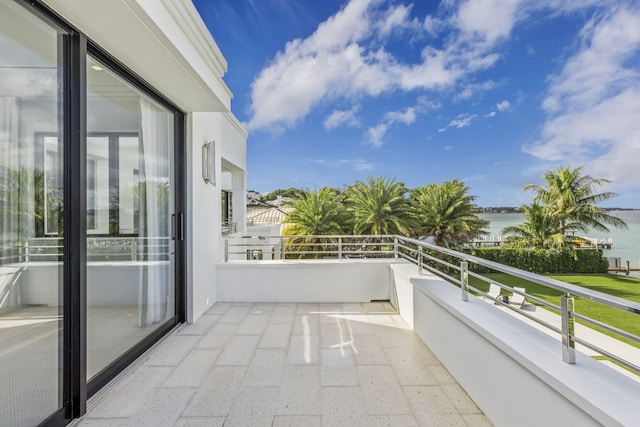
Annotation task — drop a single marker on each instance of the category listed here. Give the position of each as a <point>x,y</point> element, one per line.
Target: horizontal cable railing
<point>49,249</point>
<point>455,267</point>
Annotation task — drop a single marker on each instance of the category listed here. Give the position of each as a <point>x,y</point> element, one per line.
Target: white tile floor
<point>263,364</point>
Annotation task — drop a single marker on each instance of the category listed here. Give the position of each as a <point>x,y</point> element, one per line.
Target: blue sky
<point>491,92</point>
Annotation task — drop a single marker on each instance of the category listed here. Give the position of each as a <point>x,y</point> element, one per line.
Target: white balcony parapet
<point>496,359</point>
<point>451,265</point>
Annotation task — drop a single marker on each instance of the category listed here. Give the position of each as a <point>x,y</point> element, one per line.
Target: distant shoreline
<point>511,209</point>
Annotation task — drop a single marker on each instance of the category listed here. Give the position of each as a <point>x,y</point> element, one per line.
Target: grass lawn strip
<point>620,286</point>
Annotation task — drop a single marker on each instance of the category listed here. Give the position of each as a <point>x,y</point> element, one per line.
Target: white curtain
<point>9,200</point>
<point>155,301</point>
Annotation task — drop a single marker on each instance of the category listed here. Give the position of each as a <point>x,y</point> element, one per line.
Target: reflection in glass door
<point>31,234</point>
<point>130,194</point>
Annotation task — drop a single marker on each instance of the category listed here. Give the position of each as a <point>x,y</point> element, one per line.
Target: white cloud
<point>375,135</point>
<point>471,89</point>
<point>489,20</point>
<point>407,117</point>
<point>462,121</point>
<point>593,104</point>
<point>447,147</point>
<point>343,118</point>
<point>346,59</point>
<point>358,165</point>
<point>491,114</point>
<point>503,105</point>
<point>432,25</point>
<point>397,18</point>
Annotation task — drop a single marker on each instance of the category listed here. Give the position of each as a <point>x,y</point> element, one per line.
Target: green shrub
<point>542,261</point>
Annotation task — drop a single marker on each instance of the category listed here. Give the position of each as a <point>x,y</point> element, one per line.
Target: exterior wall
<point>234,153</point>
<point>234,148</point>
<point>204,211</point>
<point>169,32</point>
<point>304,281</point>
<point>511,370</point>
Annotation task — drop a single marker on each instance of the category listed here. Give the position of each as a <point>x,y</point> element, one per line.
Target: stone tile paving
<point>268,364</point>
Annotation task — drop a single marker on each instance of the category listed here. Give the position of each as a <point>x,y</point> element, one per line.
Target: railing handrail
<point>413,250</point>
<point>48,249</point>
<point>617,302</point>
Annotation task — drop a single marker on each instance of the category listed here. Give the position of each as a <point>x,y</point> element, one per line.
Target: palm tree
<point>378,206</point>
<point>446,212</point>
<point>314,213</point>
<point>539,230</point>
<point>571,198</point>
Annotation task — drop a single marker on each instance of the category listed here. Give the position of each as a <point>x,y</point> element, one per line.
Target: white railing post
<point>226,250</point>
<point>420,269</point>
<point>464,279</point>
<point>282,249</point>
<point>395,246</point>
<point>339,247</point>
<point>568,329</point>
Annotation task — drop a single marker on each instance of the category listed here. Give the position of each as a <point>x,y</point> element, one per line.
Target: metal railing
<point>49,249</point>
<point>455,267</point>
<point>228,228</point>
<point>311,247</point>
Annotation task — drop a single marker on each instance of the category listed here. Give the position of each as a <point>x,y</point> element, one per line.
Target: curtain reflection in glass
<point>130,285</point>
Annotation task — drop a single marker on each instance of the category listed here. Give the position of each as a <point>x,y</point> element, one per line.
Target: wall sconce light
<point>209,162</point>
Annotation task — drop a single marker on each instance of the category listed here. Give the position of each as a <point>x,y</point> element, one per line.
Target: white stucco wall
<point>204,209</point>
<point>304,281</point>
<point>513,371</point>
<point>203,224</point>
<point>170,32</point>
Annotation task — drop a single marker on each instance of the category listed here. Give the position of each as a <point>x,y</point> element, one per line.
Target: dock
<point>487,241</point>
<point>583,242</point>
<point>623,269</point>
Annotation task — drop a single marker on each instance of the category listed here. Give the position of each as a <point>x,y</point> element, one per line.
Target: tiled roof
<point>267,215</point>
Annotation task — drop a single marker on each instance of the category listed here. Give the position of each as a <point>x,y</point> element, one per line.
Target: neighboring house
<point>253,198</point>
<point>105,107</point>
<point>266,215</point>
<point>264,219</point>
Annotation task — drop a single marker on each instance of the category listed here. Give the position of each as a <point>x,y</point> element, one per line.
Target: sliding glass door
<point>31,232</point>
<point>89,191</point>
<point>130,210</point>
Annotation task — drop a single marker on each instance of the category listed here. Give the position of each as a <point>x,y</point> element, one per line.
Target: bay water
<point>626,243</point>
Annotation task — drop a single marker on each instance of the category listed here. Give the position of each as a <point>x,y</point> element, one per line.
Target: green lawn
<point>618,285</point>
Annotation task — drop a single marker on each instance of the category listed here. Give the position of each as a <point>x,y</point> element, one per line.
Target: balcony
<point>380,331</point>
<point>252,364</point>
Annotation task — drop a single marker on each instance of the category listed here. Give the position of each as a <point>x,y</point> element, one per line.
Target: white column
<point>239,200</point>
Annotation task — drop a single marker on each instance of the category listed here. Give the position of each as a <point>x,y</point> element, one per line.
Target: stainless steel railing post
<point>420,269</point>
<point>568,329</point>
<point>339,247</point>
<point>464,279</point>
<point>226,250</point>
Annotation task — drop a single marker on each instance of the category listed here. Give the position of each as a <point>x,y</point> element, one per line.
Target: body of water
<point>626,243</point>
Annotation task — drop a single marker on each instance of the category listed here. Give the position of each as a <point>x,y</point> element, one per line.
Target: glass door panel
<point>31,234</point>
<point>130,184</point>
